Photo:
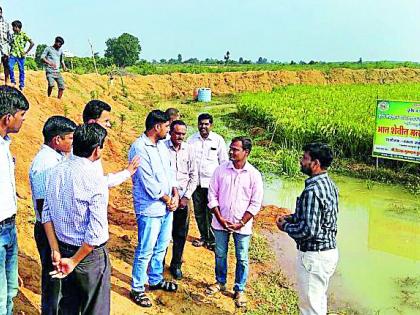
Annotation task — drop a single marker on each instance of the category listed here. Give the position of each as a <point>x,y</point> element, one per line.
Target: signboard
<point>397,134</point>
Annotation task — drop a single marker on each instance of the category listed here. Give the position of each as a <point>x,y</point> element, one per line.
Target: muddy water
<point>378,240</point>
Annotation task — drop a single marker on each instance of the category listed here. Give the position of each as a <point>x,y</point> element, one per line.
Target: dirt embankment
<point>132,99</point>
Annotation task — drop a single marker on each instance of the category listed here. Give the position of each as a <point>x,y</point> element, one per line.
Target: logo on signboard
<point>383,106</point>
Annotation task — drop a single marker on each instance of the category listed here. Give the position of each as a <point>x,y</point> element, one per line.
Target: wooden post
<point>93,56</point>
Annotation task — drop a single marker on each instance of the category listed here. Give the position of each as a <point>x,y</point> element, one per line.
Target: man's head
<point>205,124</point>
<point>58,133</point>
<point>157,123</point>
<point>98,112</point>
<point>178,130</point>
<point>88,141</point>
<point>173,114</point>
<point>13,107</point>
<point>317,157</point>
<point>239,149</point>
<point>17,26</point>
<point>59,41</point>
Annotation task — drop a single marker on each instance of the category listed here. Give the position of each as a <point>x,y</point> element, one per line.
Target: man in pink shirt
<point>235,197</point>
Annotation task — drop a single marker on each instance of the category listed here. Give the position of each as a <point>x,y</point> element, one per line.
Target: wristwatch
<point>241,222</point>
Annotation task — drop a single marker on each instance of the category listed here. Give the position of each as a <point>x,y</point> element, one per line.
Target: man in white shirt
<point>58,139</point>
<point>97,111</point>
<point>13,107</point>
<point>210,151</point>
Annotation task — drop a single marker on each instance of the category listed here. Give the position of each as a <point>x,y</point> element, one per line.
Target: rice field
<point>341,115</point>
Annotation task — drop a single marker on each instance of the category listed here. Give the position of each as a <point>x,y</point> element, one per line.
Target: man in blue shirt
<point>58,139</point>
<point>155,198</point>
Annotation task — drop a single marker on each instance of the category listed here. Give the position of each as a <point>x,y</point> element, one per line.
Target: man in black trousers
<point>183,163</point>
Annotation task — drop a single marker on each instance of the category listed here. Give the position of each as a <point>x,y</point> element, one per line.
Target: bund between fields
<point>276,152</point>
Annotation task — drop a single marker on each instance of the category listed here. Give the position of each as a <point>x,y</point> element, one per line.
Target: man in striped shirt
<point>314,228</point>
<point>75,221</point>
<point>58,139</point>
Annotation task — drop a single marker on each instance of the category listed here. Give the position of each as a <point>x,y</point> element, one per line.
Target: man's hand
<point>64,68</point>
<point>173,204</point>
<point>65,267</point>
<point>55,258</point>
<point>280,222</point>
<point>183,202</point>
<point>225,224</point>
<point>235,226</point>
<point>133,165</point>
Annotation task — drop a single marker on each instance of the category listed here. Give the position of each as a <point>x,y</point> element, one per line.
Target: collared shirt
<point>314,224</point>
<point>76,202</point>
<point>112,179</point>
<point>8,200</point>
<point>5,37</point>
<point>18,43</point>
<point>41,165</point>
<point>153,179</point>
<point>183,163</point>
<point>53,55</point>
<point>209,154</point>
<point>236,191</point>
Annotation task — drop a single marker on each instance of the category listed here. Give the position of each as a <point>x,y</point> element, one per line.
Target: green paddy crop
<point>341,115</point>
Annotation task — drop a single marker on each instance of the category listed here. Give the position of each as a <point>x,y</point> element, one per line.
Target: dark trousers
<point>203,215</point>
<point>50,288</point>
<point>87,289</point>
<point>180,227</point>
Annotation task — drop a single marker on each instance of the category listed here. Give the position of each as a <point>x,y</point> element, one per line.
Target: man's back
<point>76,202</point>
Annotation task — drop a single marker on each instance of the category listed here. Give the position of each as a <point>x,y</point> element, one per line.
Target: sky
<point>282,30</point>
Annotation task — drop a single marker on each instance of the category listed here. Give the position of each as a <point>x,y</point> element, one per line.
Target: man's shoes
<point>176,273</point>
<point>215,288</point>
<point>240,299</point>
<point>211,247</point>
<point>140,298</point>
<point>198,243</point>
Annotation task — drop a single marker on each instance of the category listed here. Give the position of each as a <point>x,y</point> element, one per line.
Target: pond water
<point>378,241</point>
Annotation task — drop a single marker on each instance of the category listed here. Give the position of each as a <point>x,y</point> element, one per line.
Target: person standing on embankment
<point>53,57</point>
<point>5,38</point>
<point>13,108</point>
<point>314,228</point>
<point>210,152</point>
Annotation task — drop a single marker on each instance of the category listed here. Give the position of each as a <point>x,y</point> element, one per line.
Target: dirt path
<point>129,106</point>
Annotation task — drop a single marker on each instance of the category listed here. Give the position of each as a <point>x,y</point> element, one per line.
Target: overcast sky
<point>284,30</point>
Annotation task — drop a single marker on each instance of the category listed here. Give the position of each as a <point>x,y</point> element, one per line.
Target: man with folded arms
<point>235,197</point>
<point>58,139</point>
<point>76,224</point>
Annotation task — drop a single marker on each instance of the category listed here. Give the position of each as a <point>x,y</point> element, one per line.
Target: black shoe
<point>176,273</point>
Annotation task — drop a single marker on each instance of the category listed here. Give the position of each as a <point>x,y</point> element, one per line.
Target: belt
<point>75,247</point>
<point>10,220</point>
<point>304,249</point>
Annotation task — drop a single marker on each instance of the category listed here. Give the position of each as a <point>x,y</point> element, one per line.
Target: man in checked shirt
<point>75,221</point>
<point>314,228</point>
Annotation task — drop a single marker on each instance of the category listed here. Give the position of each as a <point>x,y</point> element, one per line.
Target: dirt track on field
<point>134,99</point>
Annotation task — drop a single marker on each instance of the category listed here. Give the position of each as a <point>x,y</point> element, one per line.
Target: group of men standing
<point>13,42</point>
<point>70,197</point>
